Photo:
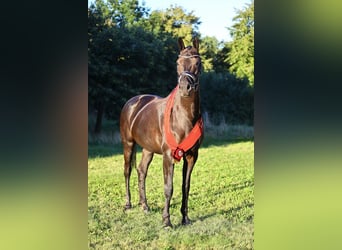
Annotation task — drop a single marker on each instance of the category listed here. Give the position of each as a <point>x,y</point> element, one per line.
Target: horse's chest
<point>181,126</point>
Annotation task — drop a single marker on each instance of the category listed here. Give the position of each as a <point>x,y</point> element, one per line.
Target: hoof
<point>145,208</point>
<point>167,223</point>
<point>127,207</point>
<point>186,221</point>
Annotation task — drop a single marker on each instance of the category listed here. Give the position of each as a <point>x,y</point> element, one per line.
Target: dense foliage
<point>133,51</point>
<point>241,56</point>
<point>227,99</point>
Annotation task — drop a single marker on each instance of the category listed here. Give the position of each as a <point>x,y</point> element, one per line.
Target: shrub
<point>226,98</point>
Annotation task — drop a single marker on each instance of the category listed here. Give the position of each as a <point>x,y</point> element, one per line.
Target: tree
<point>109,47</point>
<point>208,51</point>
<point>220,62</point>
<point>99,29</point>
<point>175,21</point>
<point>241,55</point>
<point>124,59</point>
<point>126,13</point>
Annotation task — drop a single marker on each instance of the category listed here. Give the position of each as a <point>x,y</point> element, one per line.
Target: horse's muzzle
<point>188,82</point>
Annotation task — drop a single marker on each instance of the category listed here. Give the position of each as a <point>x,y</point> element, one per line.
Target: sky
<point>215,15</point>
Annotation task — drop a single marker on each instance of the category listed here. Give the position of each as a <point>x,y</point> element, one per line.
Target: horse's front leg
<point>189,162</point>
<point>168,167</point>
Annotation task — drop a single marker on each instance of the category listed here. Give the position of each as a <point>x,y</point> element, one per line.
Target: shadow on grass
<point>107,150</point>
<point>231,211</point>
<point>95,151</point>
<point>209,141</point>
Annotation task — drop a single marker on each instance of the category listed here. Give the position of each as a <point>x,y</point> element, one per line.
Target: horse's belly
<point>146,129</point>
<point>148,135</point>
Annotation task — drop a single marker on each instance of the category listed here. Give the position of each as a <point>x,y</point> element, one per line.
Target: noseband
<point>191,78</point>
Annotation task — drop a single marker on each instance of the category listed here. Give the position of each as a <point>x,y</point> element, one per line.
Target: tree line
<point>133,50</point>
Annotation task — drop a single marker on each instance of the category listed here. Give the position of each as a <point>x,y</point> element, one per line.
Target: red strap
<point>193,136</point>
<point>188,142</point>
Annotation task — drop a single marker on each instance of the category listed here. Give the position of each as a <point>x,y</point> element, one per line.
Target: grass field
<point>221,204</point>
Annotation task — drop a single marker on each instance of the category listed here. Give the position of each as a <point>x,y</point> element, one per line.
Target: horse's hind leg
<point>129,150</point>
<point>146,159</point>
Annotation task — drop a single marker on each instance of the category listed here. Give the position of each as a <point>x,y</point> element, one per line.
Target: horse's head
<point>188,67</point>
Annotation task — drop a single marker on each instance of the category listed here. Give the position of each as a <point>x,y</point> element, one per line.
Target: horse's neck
<point>186,109</point>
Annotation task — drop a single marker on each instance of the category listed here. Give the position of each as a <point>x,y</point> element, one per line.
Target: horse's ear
<point>181,44</point>
<point>196,43</point>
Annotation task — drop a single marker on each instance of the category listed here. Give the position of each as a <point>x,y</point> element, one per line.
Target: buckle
<point>178,154</point>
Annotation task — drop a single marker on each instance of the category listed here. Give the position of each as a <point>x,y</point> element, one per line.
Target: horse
<point>171,126</point>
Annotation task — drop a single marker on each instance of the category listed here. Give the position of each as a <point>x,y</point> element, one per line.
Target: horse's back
<point>140,121</point>
<point>134,105</point>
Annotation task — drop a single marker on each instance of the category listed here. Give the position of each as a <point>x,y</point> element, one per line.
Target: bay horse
<point>171,126</point>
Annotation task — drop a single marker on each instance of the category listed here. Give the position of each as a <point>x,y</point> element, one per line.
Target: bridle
<point>192,79</point>
<point>188,56</point>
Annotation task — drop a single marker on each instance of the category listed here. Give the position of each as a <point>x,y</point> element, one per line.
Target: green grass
<point>221,204</point>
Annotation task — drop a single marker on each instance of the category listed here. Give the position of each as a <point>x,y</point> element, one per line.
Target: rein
<point>178,150</point>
